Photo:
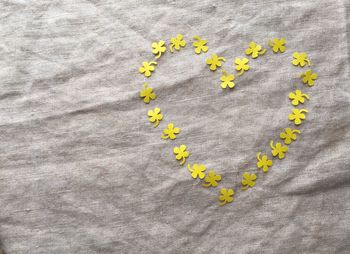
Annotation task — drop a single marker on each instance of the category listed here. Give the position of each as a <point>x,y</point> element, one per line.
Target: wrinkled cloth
<point>82,170</point>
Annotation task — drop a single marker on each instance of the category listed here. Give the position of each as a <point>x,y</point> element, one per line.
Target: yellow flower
<point>197,170</point>
<point>170,132</point>
<point>214,61</point>
<point>248,180</point>
<point>199,45</point>
<point>226,196</point>
<point>211,179</point>
<point>255,50</point>
<point>297,116</point>
<point>264,163</point>
<point>288,135</point>
<point>309,77</point>
<point>297,97</point>
<point>155,116</point>
<point>177,42</point>
<point>181,153</point>
<point>241,65</point>
<point>226,80</point>
<point>278,150</point>
<point>158,48</point>
<point>278,45</point>
<point>147,68</point>
<point>300,59</point>
<point>147,93</point>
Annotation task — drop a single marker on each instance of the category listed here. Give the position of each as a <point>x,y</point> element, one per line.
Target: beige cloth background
<point>83,171</point>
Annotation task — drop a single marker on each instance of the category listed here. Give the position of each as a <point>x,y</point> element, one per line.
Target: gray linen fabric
<point>83,171</point>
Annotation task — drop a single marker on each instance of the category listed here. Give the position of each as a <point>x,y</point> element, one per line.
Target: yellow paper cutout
<point>248,180</point>
<point>289,135</point>
<point>147,93</point>
<point>177,42</point>
<point>263,163</point>
<point>215,61</point>
<point>298,97</point>
<point>308,77</point>
<point>277,45</point>
<point>300,59</point>
<point>241,65</point>
<point>255,50</point>
<point>200,45</point>
<point>158,48</point>
<point>278,150</point>
<point>197,171</point>
<point>226,196</point>
<point>297,116</point>
<point>147,68</point>
<point>227,80</point>
<point>181,154</point>
<point>211,179</point>
<point>155,116</point>
<point>170,132</point>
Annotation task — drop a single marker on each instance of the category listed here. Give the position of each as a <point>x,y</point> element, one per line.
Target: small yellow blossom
<point>309,77</point>
<point>147,68</point>
<point>255,50</point>
<point>170,132</point>
<point>226,196</point>
<point>298,97</point>
<point>278,150</point>
<point>158,48</point>
<point>197,171</point>
<point>177,42</point>
<point>300,59</point>
<point>155,116</point>
<point>264,163</point>
<point>241,65</point>
<point>147,93</point>
<point>200,45</point>
<point>248,180</point>
<point>288,135</point>
<point>181,153</point>
<point>227,80</point>
<point>215,61</point>
<point>278,45</point>
<point>297,116</point>
<point>211,179</point>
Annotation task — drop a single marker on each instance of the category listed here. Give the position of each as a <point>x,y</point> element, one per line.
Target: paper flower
<point>300,59</point>
<point>241,65</point>
<point>215,61</point>
<point>298,97</point>
<point>248,180</point>
<point>288,135</point>
<point>147,68</point>
<point>147,93</point>
<point>226,196</point>
<point>200,45</point>
<point>255,50</point>
<point>181,153</point>
<point>278,150</point>
<point>308,77</point>
<point>297,116</point>
<point>170,132</point>
<point>155,116</point>
<point>177,42</point>
<point>227,80</point>
<point>278,45</point>
<point>211,179</point>
<point>197,170</point>
<point>158,48</point>
<point>263,163</point>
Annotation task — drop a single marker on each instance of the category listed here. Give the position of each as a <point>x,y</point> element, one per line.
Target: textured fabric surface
<point>83,171</point>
